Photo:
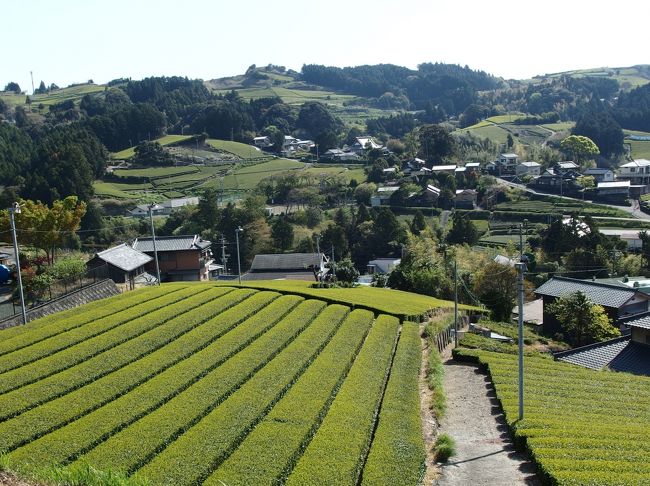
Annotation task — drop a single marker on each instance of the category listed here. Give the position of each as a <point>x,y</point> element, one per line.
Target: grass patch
<point>241,150</point>
<point>444,448</point>
<point>165,140</point>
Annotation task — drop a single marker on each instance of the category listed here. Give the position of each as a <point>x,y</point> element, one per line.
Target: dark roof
<point>620,354</point>
<point>284,262</point>
<point>607,295</point>
<point>638,320</point>
<point>124,257</point>
<point>172,243</point>
<point>595,356</point>
<point>635,358</point>
<point>308,276</point>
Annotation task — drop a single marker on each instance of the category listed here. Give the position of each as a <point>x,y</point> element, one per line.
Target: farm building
<point>629,353</point>
<point>465,198</point>
<point>289,266</point>
<point>614,189</point>
<point>164,208</point>
<point>181,258</point>
<point>382,265</point>
<point>618,302</point>
<point>124,264</point>
<point>528,168</point>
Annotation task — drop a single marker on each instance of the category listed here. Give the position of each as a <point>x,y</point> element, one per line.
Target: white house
<point>164,208</point>
<point>382,265</point>
<point>262,142</point>
<point>528,168</point>
<point>437,169</point>
<point>629,236</point>
<point>508,160</point>
<point>637,171</point>
<point>364,143</point>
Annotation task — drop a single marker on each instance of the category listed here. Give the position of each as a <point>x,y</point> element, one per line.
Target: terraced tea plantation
<point>205,384</point>
<point>581,426</point>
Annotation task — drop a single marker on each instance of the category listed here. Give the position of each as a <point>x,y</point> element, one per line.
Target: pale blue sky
<point>66,41</point>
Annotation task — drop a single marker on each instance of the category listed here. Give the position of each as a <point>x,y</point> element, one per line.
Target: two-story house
<point>181,258</point>
<point>637,172</point>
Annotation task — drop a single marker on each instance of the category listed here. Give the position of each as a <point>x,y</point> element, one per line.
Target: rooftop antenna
<point>32,76</point>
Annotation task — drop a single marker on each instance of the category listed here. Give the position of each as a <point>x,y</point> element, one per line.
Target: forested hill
<point>435,83</point>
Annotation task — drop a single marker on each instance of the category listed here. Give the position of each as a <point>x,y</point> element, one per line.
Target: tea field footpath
<point>485,454</point>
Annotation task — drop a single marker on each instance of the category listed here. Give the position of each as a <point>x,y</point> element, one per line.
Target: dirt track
<point>484,452</point>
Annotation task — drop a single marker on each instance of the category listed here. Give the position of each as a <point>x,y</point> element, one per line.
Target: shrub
<point>444,447</point>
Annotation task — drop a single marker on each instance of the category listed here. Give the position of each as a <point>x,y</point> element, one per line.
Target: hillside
<point>627,77</point>
<point>143,382</point>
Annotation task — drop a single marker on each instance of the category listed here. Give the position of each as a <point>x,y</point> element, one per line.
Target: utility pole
<point>153,237</point>
<point>224,260</point>
<point>15,209</point>
<point>238,230</point>
<point>31,73</point>
<point>333,254</point>
<point>520,291</point>
<point>455,302</point>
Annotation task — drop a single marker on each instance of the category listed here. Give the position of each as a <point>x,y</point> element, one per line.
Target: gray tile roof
<point>638,320</point>
<point>599,293</point>
<point>595,356</point>
<point>284,262</point>
<point>620,354</point>
<point>171,243</point>
<point>635,358</point>
<point>124,257</point>
<point>308,276</point>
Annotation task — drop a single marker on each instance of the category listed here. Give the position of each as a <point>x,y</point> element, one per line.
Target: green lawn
<point>491,131</point>
<point>165,140</point>
<point>155,172</point>
<point>64,94</point>
<point>640,149</point>
<point>109,190</point>
<point>559,127</point>
<point>580,426</point>
<point>241,150</point>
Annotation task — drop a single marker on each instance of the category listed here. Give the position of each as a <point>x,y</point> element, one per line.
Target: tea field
<point>580,426</point>
<point>192,383</point>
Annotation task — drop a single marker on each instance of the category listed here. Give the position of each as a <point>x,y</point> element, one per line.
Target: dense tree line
<point>451,86</point>
<point>632,110</point>
<point>56,163</point>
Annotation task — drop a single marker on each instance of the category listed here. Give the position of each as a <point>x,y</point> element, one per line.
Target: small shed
<point>124,263</point>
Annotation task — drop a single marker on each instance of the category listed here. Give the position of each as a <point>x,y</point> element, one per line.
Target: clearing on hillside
<point>298,388</point>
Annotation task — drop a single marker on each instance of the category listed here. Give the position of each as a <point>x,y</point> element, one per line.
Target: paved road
<point>485,454</point>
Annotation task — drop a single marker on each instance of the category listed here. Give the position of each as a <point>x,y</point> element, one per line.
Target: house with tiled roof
<point>181,258</point>
<point>286,266</point>
<point>619,302</point>
<point>123,263</point>
<point>629,353</point>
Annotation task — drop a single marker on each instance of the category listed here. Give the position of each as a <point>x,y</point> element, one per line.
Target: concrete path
<point>484,452</point>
